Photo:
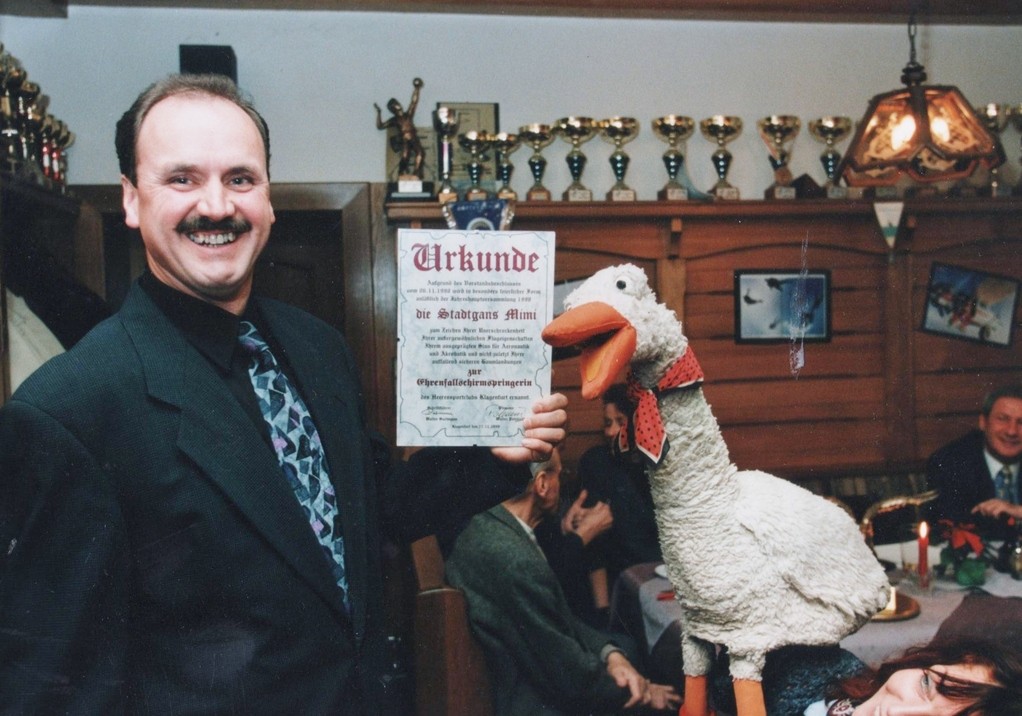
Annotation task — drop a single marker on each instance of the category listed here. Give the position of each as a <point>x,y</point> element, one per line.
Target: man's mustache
<point>230,225</point>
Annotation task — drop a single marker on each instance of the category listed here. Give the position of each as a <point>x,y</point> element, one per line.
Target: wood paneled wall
<point>877,398</point>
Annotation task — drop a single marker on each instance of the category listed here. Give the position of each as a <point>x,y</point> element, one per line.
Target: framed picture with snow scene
<point>970,305</point>
<point>779,306</point>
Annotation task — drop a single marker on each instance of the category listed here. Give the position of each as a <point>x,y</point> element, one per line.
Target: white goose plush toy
<point>757,562</point>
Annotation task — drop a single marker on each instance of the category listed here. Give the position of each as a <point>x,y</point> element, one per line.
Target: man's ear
<point>129,200</point>
<point>541,483</point>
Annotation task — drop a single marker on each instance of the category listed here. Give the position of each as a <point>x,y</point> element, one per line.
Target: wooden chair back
<point>450,669</point>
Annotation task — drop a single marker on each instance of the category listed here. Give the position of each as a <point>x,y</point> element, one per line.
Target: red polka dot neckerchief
<point>650,436</point>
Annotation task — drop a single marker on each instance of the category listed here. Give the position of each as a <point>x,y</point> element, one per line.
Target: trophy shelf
<point>654,229</point>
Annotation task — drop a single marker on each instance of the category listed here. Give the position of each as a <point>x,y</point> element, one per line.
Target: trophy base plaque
<point>445,196</point>
<point>727,193</point>
<point>779,192</point>
<point>410,190</point>
<point>509,194</point>
<point>673,193</point>
<point>964,190</point>
<point>996,191</point>
<point>621,195</point>
<point>886,192</point>
<point>578,195</point>
<point>921,192</point>
<point>476,194</point>
<point>538,195</point>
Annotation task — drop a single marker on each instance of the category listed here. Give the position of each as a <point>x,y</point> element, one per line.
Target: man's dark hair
<point>210,84</point>
<point>1005,391</point>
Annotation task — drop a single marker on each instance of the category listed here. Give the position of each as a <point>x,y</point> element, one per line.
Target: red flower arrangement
<point>966,555</point>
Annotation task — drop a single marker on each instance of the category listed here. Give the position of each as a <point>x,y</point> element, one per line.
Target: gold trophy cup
<point>537,136</point>
<point>673,129</point>
<point>778,131</point>
<point>576,130</point>
<point>1015,117</point>
<point>619,131</point>
<point>995,117</point>
<point>476,142</point>
<point>831,130</point>
<point>721,129</point>
<point>445,122</point>
<point>505,145</point>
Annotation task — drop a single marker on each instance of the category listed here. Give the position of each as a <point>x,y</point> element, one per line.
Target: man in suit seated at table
<point>978,473</point>
<point>542,658</point>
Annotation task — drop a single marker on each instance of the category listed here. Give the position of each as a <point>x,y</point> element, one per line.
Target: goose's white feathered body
<point>756,561</point>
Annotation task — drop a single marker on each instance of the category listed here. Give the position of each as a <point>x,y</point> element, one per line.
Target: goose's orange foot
<point>696,699</point>
<point>749,698</point>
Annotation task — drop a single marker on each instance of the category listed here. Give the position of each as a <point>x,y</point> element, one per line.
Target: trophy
<point>31,106</point>
<point>995,118</point>
<point>576,130</point>
<point>673,129</point>
<point>619,131</point>
<point>406,146</point>
<point>777,131</point>
<point>830,131</point>
<point>445,122</point>
<point>1015,115</point>
<point>476,142</point>
<point>504,144</point>
<point>12,76</point>
<point>65,139</point>
<point>722,129</point>
<point>537,136</point>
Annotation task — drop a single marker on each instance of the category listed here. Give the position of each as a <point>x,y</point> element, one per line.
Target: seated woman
<point>949,678</point>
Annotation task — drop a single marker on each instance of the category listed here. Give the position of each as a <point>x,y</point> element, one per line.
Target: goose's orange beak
<point>608,343</point>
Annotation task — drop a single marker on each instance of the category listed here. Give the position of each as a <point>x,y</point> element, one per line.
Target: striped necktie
<point>298,448</point>
<point>1004,484</point>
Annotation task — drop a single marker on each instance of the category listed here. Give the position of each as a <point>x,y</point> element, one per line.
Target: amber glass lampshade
<point>926,132</point>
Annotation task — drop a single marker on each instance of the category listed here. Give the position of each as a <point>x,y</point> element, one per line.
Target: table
<point>640,608</point>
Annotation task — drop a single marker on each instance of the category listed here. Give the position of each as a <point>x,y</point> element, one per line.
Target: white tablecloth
<point>875,641</point>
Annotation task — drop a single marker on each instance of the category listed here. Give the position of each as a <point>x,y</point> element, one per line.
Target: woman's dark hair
<point>212,85</point>
<point>1001,698</point>
<point>617,395</point>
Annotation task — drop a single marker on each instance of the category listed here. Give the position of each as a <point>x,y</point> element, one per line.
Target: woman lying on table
<point>959,678</point>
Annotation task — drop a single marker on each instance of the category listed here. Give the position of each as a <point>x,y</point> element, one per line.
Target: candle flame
<point>924,530</point>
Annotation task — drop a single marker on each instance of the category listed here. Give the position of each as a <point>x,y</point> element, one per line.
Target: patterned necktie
<point>298,447</point>
<point>1004,484</point>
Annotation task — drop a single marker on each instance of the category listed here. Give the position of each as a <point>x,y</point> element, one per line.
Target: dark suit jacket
<point>960,472</point>
<point>152,557</point>
<point>542,659</point>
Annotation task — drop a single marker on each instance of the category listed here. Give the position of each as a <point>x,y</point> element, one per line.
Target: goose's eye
<point>621,284</point>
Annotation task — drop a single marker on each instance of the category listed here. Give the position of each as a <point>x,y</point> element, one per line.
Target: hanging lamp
<point>928,133</point>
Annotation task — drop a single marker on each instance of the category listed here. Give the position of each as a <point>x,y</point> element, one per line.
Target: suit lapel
<point>217,435</point>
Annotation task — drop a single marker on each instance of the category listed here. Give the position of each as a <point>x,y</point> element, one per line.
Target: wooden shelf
<point>564,210</point>
<point>988,12</point>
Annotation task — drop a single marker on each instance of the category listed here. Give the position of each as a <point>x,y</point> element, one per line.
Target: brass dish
<point>905,608</point>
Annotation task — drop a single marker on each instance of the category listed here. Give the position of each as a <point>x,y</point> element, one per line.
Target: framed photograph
<point>971,305</point>
<point>778,306</point>
<point>478,116</point>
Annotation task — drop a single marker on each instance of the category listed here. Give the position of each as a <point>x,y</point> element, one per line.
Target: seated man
<point>542,659</point>
<point>977,474</point>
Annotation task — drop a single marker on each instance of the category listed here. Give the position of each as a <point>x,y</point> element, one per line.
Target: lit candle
<point>924,554</point>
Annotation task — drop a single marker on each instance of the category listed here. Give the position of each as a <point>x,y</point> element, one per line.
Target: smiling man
<point>978,473</point>
<point>189,519</point>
